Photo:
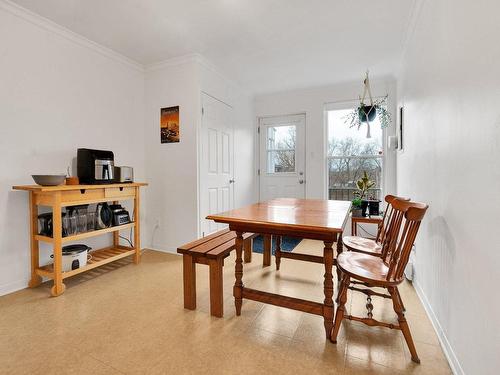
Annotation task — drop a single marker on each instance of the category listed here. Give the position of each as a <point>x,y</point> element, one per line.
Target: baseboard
<point>13,287</point>
<point>161,249</point>
<point>445,344</point>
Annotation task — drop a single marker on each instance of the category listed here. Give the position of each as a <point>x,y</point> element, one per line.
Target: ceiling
<point>264,45</point>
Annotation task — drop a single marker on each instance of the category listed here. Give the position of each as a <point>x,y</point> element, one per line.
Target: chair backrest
<point>386,218</point>
<point>401,234</point>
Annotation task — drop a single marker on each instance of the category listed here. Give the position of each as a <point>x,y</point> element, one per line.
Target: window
<point>350,153</point>
<point>281,149</point>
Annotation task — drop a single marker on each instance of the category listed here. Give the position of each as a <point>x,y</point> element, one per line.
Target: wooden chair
<point>385,271</point>
<point>369,246</point>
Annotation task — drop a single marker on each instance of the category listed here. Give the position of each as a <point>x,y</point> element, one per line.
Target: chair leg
<point>277,253</point>
<point>400,300</point>
<point>340,249</point>
<point>398,308</point>
<point>342,299</point>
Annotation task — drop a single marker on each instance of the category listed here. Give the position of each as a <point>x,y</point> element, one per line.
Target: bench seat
<point>210,250</point>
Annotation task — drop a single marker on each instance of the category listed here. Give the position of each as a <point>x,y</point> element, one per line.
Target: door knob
<point>301,181</point>
<point>231,181</point>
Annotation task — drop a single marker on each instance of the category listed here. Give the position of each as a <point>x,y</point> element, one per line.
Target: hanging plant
<point>366,113</point>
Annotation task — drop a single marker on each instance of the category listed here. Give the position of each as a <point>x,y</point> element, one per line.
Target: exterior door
<point>216,162</point>
<point>282,157</point>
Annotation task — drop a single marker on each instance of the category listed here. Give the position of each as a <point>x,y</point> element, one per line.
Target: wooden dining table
<point>314,219</point>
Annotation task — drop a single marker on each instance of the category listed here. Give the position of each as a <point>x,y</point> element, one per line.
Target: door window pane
<point>281,149</point>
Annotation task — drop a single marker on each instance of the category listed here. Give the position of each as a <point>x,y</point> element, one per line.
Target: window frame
<point>344,105</point>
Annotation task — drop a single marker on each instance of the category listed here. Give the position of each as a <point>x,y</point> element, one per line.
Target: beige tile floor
<point>127,319</point>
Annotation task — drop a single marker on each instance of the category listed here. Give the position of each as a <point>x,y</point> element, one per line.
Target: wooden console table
<point>73,195</point>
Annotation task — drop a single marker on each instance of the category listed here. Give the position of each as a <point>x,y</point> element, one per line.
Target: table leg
<point>35,255</point>
<point>137,227</point>
<point>267,250</point>
<point>328,288</point>
<point>58,287</point>
<point>238,271</point>
<point>248,246</point>
<point>277,253</point>
<point>116,235</point>
<point>340,249</point>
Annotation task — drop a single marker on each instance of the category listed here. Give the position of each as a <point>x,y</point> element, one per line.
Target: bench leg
<point>216,287</point>
<point>267,250</point>
<point>247,248</point>
<point>189,275</point>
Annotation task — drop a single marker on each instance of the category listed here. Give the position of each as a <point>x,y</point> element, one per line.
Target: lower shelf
<point>99,258</point>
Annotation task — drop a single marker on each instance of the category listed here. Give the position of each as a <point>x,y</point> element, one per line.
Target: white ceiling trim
<point>410,30</point>
<point>55,28</point>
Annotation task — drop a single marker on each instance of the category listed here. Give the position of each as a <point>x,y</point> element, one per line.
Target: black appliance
<point>47,225</point>
<point>104,216</point>
<point>120,215</point>
<point>95,166</point>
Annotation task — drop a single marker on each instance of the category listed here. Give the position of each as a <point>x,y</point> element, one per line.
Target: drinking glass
<point>90,221</point>
<point>66,224</point>
<point>72,225</point>
<point>82,223</point>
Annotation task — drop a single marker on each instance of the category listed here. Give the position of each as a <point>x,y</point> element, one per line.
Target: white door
<point>282,157</point>
<point>216,162</point>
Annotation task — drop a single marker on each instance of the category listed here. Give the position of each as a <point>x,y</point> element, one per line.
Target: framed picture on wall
<point>400,129</point>
<point>169,125</point>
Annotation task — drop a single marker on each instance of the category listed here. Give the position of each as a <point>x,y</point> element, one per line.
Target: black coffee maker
<point>95,166</point>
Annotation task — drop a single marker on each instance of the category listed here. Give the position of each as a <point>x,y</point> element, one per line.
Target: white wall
<point>450,87</point>
<point>58,92</point>
<point>312,102</point>
<point>172,169</point>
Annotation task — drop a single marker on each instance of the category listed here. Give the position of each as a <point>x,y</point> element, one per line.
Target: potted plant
<point>363,185</point>
<point>367,112</point>
<point>356,210</point>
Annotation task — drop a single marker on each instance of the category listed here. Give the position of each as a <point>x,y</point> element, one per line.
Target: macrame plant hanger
<point>366,90</point>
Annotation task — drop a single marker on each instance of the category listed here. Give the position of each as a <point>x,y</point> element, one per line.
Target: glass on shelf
<point>82,223</point>
<point>90,221</point>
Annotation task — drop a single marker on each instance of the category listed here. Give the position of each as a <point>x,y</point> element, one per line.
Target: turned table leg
<point>238,271</point>
<point>267,250</point>
<point>277,253</point>
<point>247,246</point>
<point>35,255</point>
<point>328,288</point>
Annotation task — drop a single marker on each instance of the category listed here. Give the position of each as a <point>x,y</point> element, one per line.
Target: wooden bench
<point>210,250</point>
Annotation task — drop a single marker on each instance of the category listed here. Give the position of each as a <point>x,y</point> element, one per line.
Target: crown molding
<point>48,25</point>
<point>174,61</point>
<point>415,12</point>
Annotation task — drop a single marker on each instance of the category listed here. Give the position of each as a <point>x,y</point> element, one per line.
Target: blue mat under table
<point>287,244</point>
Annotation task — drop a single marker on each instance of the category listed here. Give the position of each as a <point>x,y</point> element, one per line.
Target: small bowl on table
<point>49,179</point>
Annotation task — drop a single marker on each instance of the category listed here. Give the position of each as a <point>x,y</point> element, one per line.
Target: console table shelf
<point>72,195</point>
